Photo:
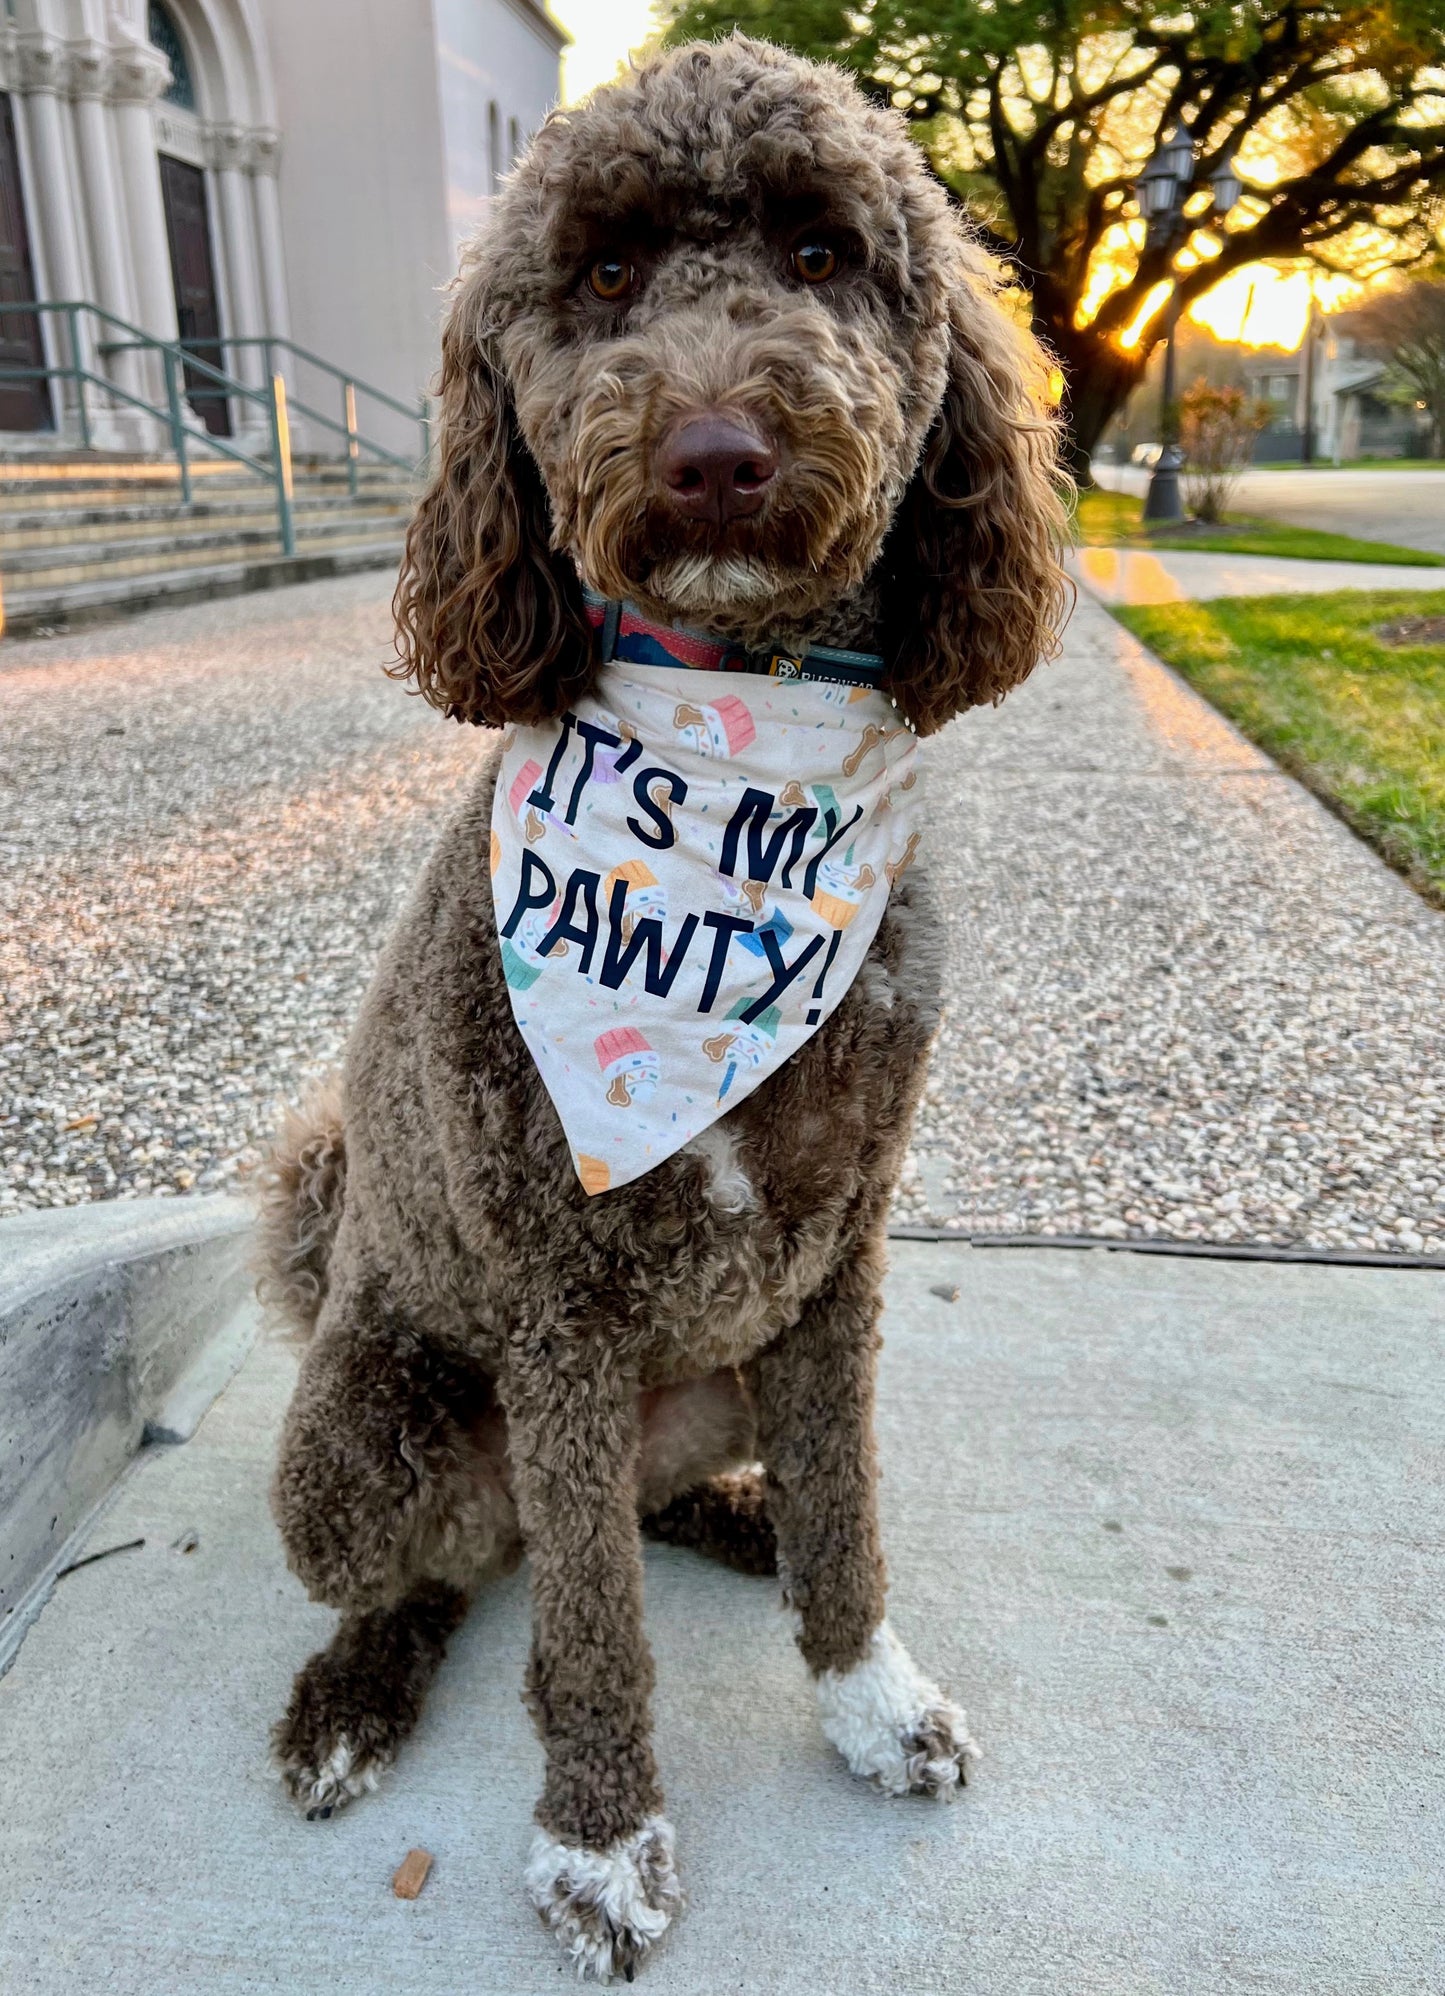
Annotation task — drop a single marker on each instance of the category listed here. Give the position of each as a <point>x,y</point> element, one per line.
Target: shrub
<point>1217,428</point>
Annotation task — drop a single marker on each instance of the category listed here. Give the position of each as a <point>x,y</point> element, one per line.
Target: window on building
<point>494,148</point>
<point>166,37</point>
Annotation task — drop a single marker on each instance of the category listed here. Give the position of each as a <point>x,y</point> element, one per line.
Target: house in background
<point>225,169</point>
<point>1352,418</point>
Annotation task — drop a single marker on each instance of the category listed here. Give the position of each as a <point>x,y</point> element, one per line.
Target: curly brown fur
<point>355,1701</point>
<point>497,1357</point>
<point>898,391</point>
<point>726,1519</point>
<point>299,1195</point>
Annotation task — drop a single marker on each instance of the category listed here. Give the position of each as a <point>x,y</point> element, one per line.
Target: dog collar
<point>626,637</point>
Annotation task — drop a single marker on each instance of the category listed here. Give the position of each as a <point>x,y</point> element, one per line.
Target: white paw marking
<point>892,1725</point>
<point>607,1907</point>
<point>340,1778</point>
<point>729,1188</point>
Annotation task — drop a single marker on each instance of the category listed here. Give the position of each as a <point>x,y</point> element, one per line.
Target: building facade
<point>222,170</point>
<point>1329,400</point>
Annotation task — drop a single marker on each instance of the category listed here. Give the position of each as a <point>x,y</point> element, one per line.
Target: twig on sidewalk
<point>91,1557</point>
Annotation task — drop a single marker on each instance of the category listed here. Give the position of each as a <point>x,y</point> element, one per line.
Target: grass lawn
<point>1361,721</point>
<point>1116,520</point>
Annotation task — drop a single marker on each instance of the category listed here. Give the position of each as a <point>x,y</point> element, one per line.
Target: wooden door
<point>188,230</point>
<point>24,405</point>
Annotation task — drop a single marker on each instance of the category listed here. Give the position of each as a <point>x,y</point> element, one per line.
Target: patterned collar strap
<point>627,637</point>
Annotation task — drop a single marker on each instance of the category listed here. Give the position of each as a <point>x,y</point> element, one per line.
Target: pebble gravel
<point>1182,1001</point>
<point>208,820</point>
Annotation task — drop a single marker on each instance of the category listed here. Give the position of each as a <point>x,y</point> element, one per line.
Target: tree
<point>1406,327</point>
<point>1041,114</point>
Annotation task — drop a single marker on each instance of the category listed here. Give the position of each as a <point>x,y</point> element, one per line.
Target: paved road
<point>1182,999</point>
<point>1406,507</point>
<point>1170,1531</point>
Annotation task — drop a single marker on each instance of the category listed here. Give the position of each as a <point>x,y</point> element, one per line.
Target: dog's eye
<point>612,278</point>
<point>815,263</point>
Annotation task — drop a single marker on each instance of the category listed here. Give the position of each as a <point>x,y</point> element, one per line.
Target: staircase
<point>91,534</point>
<point>84,538</point>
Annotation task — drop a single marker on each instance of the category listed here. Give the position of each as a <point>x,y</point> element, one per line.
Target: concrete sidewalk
<point>1141,575</point>
<point>1171,1530</point>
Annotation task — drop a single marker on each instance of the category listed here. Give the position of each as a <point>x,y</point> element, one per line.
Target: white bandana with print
<point>688,869</point>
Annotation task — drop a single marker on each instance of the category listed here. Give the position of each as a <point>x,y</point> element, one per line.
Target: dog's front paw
<point>892,1725</point>
<point>322,1778</point>
<point>606,1907</point>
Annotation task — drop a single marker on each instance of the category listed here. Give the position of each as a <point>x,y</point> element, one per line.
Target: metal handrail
<point>410,410</point>
<point>351,386</point>
<point>176,359</point>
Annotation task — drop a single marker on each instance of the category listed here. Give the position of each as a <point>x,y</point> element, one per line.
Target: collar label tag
<point>688,869</point>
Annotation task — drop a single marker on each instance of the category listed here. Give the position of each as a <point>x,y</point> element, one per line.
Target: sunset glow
<point>603,34</point>
<point>1263,306</point>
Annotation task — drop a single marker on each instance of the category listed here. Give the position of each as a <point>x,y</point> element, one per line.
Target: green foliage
<point>1041,113</point>
<point>1312,681</point>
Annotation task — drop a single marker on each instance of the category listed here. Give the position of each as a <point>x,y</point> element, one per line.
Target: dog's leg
<point>814,1395</point>
<point>601,1871</point>
<point>356,1700</point>
<point>725,1518</point>
<point>697,1488</point>
<point>391,1495</point>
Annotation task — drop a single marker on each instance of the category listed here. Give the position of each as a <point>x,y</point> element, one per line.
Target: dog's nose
<point>714,467</point>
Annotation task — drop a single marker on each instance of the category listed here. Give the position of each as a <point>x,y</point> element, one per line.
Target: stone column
<point>42,64</point>
<point>139,75</point>
<point>263,154</point>
<point>265,150</point>
<point>100,177</point>
<point>105,214</point>
<point>231,146</point>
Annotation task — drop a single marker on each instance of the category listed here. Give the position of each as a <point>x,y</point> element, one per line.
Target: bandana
<point>688,869</point>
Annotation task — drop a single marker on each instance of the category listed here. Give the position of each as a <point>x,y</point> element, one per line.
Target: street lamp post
<point>1163,188</point>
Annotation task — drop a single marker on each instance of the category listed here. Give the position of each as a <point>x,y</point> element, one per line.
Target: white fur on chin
<point>606,1907</point>
<point>893,1725</point>
<point>703,584</point>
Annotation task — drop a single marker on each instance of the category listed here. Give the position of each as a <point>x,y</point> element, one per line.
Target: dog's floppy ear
<point>490,622</point>
<point>974,594</point>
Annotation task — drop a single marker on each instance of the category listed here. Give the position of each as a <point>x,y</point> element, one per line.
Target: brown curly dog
<point>734,243</point>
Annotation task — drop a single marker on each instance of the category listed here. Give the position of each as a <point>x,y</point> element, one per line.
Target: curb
<point>119,1325</point>
<point>1189,1250</point>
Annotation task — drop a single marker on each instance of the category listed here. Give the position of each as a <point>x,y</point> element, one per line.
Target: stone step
<point>41,607</point>
<point>64,485</point>
<point>88,525</point>
<point>47,566</point>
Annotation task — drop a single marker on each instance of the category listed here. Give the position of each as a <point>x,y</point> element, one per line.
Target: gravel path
<point>208,818</point>
<point>1183,999</point>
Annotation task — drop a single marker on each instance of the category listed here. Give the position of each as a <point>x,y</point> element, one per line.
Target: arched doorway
<point>216,154</point>
<point>188,225</point>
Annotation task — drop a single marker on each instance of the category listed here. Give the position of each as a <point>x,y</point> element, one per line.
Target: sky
<point>1259,305</point>
<point>602,32</point>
